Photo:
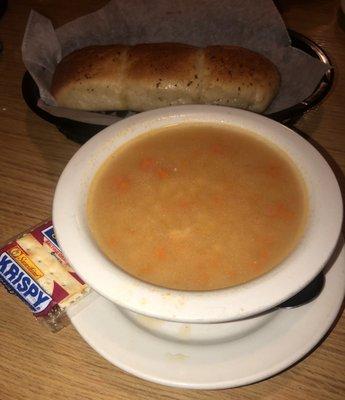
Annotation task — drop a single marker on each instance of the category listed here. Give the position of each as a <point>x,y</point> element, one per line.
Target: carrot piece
<point>162,173</point>
<point>267,240</point>
<point>121,184</point>
<point>273,171</point>
<point>184,204</point>
<point>112,242</point>
<point>147,164</point>
<point>216,148</point>
<point>218,200</point>
<point>160,253</point>
<point>263,255</point>
<point>203,278</point>
<point>280,210</point>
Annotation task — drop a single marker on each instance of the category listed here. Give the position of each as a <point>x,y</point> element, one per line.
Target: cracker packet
<point>33,268</point>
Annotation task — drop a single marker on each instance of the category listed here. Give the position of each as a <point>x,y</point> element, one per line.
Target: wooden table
<point>36,364</point>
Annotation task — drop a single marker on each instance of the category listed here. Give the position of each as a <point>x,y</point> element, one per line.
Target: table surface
<point>36,364</point>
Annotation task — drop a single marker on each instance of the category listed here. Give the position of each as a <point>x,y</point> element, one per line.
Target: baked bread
<point>148,76</point>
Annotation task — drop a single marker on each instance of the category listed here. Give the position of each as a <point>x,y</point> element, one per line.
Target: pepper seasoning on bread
<point>148,76</point>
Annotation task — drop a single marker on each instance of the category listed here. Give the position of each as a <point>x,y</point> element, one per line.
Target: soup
<point>197,207</point>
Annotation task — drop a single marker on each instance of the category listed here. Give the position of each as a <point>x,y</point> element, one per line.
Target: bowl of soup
<point>198,214</point>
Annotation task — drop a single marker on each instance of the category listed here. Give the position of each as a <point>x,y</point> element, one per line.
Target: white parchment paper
<point>256,25</point>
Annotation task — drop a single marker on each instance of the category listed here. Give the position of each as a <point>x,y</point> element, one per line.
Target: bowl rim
<point>259,295</point>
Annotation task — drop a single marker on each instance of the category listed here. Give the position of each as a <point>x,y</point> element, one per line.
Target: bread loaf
<point>148,76</point>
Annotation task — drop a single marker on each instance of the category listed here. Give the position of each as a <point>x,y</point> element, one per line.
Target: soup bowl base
<point>264,352</point>
<point>199,333</point>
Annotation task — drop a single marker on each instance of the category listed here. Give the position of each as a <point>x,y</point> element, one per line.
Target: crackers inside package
<point>33,267</point>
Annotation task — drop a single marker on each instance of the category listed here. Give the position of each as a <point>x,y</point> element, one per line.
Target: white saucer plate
<point>277,345</point>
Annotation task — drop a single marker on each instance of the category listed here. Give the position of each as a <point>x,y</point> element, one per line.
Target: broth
<point>197,206</point>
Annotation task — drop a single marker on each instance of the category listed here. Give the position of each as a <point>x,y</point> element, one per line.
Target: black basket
<point>80,132</point>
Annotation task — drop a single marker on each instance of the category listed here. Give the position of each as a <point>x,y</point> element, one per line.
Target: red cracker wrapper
<point>33,267</point>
